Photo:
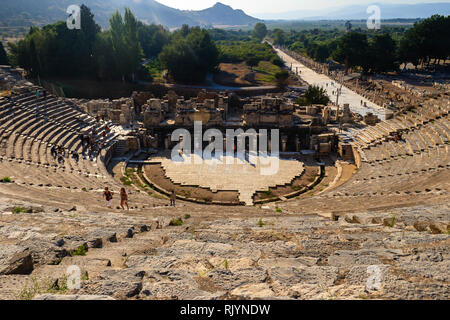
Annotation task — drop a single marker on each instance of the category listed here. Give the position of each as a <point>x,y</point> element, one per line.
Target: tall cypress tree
<point>3,56</point>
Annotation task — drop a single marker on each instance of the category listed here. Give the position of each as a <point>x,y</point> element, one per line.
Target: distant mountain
<point>357,12</point>
<point>41,12</point>
<point>221,15</point>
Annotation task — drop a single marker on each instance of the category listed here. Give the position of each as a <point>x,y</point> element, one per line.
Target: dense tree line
<point>56,50</point>
<point>152,38</point>
<point>190,55</point>
<point>379,54</point>
<point>315,43</point>
<point>113,54</point>
<point>117,53</point>
<point>229,35</point>
<point>427,42</point>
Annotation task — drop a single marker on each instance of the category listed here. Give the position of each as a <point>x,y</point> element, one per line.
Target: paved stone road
<point>347,96</point>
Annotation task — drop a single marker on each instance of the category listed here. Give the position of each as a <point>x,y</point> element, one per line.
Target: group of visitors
<point>397,137</point>
<point>88,141</point>
<point>336,92</point>
<point>108,196</point>
<point>97,118</point>
<point>58,153</point>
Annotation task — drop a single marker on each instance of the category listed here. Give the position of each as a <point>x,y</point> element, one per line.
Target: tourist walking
<point>124,199</point>
<point>82,139</point>
<point>173,198</point>
<point>60,158</point>
<point>108,195</point>
<point>53,152</point>
<point>62,151</point>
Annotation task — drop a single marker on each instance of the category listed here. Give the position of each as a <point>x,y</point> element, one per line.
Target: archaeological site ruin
<point>357,208</point>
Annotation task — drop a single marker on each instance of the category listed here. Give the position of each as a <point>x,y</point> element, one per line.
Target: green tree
<point>3,56</point>
<point>428,39</point>
<point>152,39</point>
<point>54,50</point>
<point>314,95</point>
<point>83,43</point>
<point>252,61</point>
<point>409,49</point>
<point>352,50</point>
<point>318,51</point>
<point>382,54</point>
<point>105,67</point>
<point>184,30</point>
<point>190,58</point>
<point>348,26</point>
<point>279,38</point>
<point>260,31</point>
<point>125,44</point>
<point>282,78</point>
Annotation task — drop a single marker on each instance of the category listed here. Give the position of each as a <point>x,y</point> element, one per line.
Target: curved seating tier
<point>30,126</point>
<point>419,161</point>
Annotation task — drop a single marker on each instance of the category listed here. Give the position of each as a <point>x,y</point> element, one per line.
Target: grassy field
<point>240,74</point>
<point>266,72</point>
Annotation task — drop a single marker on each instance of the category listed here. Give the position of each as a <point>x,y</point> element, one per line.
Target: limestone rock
<point>287,262</point>
<point>253,291</point>
<point>126,283</point>
<point>15,260</point>
<point>346,258</point>
<point>438,228</point>
<point>421,225</point>
<point>71,297</point>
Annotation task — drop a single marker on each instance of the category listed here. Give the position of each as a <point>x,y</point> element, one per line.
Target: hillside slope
<point>31,12</point>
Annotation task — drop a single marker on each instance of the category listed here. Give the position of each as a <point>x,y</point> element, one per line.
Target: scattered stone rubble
<point>219,255</point>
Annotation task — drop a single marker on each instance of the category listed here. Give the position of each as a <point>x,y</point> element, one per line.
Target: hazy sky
<point>274,6</point>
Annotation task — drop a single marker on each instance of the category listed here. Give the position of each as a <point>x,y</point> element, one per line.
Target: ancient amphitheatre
<point>353,191</point>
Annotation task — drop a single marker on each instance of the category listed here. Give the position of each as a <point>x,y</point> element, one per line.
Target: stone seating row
<point>30,126</point>
<point>404,122</point>
<point>399,173</point>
